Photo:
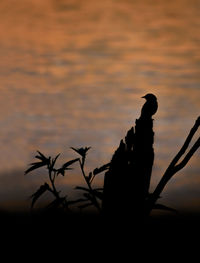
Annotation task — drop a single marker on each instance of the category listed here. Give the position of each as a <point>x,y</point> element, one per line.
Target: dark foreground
<point>90,232</point>
<point>42,223</point>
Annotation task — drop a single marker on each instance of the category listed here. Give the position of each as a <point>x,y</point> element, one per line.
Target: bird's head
<point>150,96</point>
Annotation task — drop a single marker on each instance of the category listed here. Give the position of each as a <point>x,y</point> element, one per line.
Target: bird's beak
<point>143,97</point>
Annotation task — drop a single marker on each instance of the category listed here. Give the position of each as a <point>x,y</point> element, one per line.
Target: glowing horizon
<point>73,73</point>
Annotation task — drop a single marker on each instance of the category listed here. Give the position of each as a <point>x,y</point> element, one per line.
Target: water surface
<point>73,73</point>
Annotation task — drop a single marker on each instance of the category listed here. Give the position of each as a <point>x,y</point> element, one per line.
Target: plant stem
<point>54,190</point>
<point>88,183</point>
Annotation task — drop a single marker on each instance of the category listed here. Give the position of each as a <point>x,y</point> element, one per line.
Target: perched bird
<point>150,107</point>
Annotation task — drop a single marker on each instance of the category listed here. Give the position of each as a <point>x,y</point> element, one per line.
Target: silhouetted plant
<point>91,196</point>
<point>127,178</point>
<point>53,172</point>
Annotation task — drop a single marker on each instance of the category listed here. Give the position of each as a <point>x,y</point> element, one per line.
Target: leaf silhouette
<point>35,166</point>
<point>41,157</point>
<point>89,176</point>
<point>101,169</point>
<point>38,193</point>
<point>54,161</point>
<point>82,151</point>
<point>56,203</point>
<point>61,171</point>
<point>65,165</point>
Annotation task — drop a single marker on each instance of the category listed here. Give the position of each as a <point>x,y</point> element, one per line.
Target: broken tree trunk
<point>126,183</point>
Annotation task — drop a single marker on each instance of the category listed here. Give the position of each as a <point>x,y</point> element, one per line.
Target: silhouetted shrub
<point>125,193</point>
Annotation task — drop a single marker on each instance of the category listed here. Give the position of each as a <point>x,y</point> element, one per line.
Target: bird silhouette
<point>150,107</point>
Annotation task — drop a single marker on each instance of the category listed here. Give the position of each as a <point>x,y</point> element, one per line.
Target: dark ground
<point>90,233</point>
<point>49,223</point>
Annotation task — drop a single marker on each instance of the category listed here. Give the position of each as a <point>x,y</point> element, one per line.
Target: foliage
<point>122,164</point>
<point>91,196</point>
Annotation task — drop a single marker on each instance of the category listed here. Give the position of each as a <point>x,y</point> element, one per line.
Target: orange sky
<point>72,74</point>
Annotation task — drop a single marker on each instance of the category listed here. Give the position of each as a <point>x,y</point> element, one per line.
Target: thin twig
<point>186,143</point>
<point>174,167</point>
<point>183,163</point>
<point>88,183</point>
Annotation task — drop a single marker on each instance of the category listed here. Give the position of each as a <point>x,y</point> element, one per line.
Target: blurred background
<point>72,73</point>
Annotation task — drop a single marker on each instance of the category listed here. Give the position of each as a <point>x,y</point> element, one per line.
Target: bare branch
<point>186,144</point>
<point>183,163</point>
<point>173,168</point>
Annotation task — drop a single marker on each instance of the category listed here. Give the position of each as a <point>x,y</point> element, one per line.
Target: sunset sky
<point>73,73</point>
